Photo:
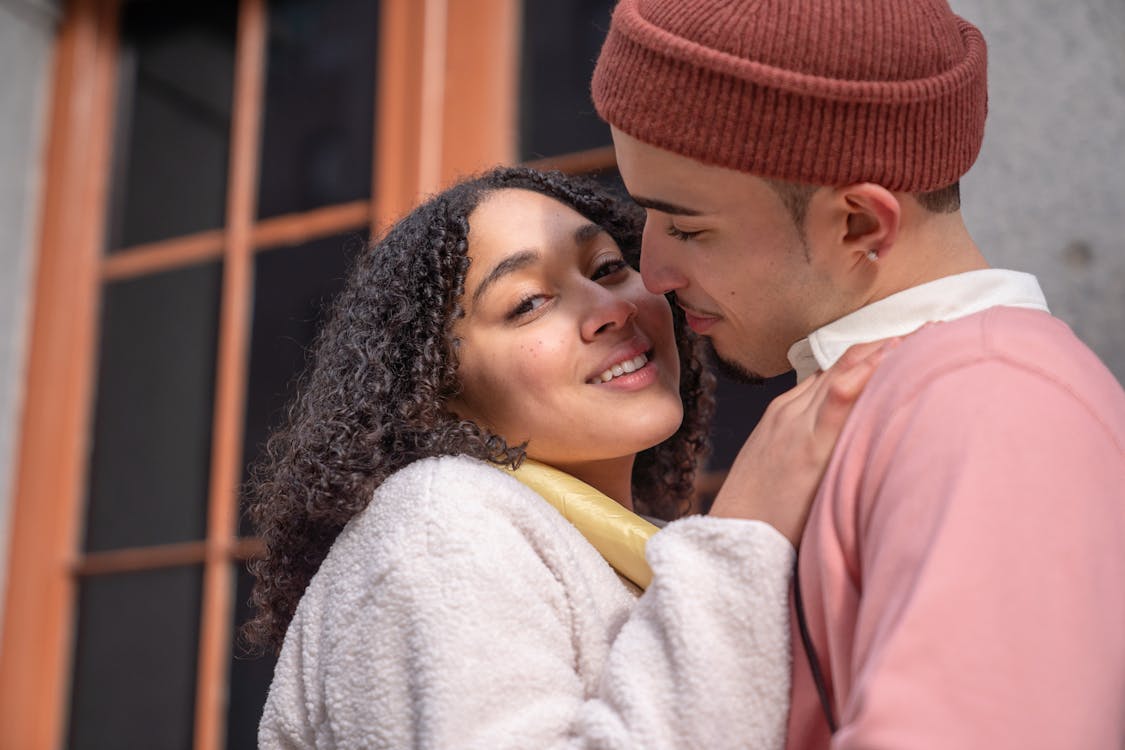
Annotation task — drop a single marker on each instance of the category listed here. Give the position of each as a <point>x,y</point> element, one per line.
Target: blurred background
<point>182,185</point>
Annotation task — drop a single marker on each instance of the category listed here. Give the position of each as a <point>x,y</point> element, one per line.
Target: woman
<point>443,603</point>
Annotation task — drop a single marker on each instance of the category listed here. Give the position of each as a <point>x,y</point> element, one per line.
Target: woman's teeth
<point>622,368</point>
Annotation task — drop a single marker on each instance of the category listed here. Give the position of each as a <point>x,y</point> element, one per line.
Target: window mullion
<point>398,125</point>
<point>234,335</point>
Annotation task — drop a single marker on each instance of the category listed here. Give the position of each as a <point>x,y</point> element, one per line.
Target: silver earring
<point>872,256</point>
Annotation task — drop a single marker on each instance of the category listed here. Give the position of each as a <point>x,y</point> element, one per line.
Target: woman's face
<point>561,345</point>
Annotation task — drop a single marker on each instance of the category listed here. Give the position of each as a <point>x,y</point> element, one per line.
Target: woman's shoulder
<point>451,513</point>
<point>445,486</point>
<point>442,475</point>
<point>435,501</point>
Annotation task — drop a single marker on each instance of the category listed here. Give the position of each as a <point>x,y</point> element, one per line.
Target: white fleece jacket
<point>460,610</point>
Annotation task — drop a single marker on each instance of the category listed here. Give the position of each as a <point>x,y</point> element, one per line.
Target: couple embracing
<point>477,519</point>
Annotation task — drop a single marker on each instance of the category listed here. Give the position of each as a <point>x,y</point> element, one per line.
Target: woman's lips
<point>618,369</point>
<point>636,347</point>
<point>640,378</point>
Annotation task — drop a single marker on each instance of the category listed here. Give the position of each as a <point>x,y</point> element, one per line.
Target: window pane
<point>250,675</point>
<point>610,179</point>
<point>293,286</point>
<point>175,82</point>
<point>320,104</point>
<point>738,407</point>
<point>561,42</point>
<point>152,427</point>
<point>134,662</point>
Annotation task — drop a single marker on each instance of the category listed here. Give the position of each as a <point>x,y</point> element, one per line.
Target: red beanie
<point>825,92</point>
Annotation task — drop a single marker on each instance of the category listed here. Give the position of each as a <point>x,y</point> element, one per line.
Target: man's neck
<point>929,247</point>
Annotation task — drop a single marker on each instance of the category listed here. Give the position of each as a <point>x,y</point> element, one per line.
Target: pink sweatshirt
<point>963,568</point>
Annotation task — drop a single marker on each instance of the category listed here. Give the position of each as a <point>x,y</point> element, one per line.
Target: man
<point>961,578</point>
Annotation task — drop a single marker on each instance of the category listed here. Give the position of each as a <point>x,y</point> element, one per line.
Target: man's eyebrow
<point>664,207</point>
<point>511,264</point>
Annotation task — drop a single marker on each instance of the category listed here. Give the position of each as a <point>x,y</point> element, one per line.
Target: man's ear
<point>861,221</point>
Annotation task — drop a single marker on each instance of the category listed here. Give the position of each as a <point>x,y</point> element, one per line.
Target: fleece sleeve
<point>992,611</point>
<point>461,632</point>
<point>703,661</point>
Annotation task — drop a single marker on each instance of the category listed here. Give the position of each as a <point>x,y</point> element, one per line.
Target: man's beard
<point>731,370</point>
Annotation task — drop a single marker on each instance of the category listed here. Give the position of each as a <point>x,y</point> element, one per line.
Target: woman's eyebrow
<point>524,258</point>
<point>587,232</point>
<point>511,264</point>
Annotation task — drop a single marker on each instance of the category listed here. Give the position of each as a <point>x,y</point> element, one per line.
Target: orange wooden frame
<point>447,103</point>
<point>230,387</point>
<point>50,473</point>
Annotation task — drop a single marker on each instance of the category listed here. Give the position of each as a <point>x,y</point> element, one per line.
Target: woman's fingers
<point>827,397</point>
<point>775,476</point>
<point>839,388</point>
<point>857,353</point>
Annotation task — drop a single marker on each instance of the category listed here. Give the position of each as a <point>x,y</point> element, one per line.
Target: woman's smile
<point>528,375</point>
<point>624,367</point>
<point>628,357</point>
<point>631,375</point>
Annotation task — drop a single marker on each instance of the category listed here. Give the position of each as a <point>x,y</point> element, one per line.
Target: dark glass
<point>320,104</point>
<point>250,674</point>
<point>175,83</point>
<point>738,408</point>
<point>293,288</point>
<point>610,179</point>
<point>561,42</point>
<point>134,661</point>
<point>152,425</point>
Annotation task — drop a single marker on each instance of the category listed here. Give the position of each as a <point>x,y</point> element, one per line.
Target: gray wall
<point>27,29</point>
<point>1048,192</point>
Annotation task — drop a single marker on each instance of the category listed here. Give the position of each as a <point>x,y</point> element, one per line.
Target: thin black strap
<point>810,652</point>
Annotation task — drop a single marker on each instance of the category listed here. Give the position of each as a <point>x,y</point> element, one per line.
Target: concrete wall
<point>27,31</point>
<point>1048,193</point>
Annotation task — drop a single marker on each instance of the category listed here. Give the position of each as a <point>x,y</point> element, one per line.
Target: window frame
<point>431,126</point>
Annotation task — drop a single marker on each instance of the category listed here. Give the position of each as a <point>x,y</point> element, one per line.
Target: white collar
<point>945,299</point>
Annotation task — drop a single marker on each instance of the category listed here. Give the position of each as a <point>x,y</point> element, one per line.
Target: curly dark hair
<point>383,370</point>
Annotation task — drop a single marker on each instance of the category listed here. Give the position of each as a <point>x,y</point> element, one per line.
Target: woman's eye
<point>527,305</point>
<point>609,267</point>
<point>680,234</point>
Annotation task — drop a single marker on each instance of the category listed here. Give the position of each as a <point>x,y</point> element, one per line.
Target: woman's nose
<point>608,311</point>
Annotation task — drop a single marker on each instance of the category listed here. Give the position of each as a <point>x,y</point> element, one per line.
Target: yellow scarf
<point>617,533</point>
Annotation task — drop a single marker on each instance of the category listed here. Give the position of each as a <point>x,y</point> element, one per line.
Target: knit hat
<point>825,92</point>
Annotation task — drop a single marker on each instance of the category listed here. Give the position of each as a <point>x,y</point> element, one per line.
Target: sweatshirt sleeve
<point>704,659</point>
<point>464,632</point>
<point>992,526</point>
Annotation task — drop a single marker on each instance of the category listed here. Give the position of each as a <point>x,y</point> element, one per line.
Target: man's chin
<point>732,370</point>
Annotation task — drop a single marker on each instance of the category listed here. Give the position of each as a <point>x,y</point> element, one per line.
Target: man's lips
<point>697,321</point>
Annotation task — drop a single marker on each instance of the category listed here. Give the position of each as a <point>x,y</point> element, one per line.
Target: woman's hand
<point>776,473</point>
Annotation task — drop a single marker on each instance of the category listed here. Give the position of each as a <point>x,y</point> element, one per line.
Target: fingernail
<point>891,343</point>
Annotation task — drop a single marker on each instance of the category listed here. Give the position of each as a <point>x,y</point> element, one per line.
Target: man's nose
<point>659,269</point>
